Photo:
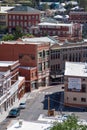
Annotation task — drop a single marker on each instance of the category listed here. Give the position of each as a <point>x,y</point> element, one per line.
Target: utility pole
<point>48,106</point>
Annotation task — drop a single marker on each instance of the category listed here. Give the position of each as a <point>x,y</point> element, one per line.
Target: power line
<point>63,103</point>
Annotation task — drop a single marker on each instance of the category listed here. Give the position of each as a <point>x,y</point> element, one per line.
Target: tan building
<point>62,52</point>
<point>75,93</point>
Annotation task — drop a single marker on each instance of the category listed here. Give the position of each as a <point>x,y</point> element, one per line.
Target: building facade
<point>62,30</point>
<point>24,17</point>
<point>75,93</point>
<point>31,77</point>
<point>30,55</point>
<point>78,17</point>
<point>10,84</point>
<point>62,52</point>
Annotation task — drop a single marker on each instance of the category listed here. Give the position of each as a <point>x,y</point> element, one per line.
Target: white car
<point>22,105</point>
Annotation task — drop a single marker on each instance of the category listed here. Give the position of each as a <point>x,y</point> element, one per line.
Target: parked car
<point>22,105</point>
<point>14,112</point>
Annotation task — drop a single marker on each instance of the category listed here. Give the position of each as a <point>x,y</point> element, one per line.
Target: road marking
<point>45,92</point>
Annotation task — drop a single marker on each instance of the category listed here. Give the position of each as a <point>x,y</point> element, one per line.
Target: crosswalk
<point>46,93</point>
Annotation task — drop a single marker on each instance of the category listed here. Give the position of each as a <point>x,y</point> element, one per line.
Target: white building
<point>75,93</point>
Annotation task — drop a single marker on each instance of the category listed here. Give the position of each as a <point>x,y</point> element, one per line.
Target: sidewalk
<point>23,99</point>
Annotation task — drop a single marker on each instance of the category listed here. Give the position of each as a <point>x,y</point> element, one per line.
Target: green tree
<point>83,4</point>
<point>45,6</point>
<point>17,32</point>
<point>69,124</point>
<point>8,37</point>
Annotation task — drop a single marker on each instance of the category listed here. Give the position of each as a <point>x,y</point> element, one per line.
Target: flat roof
<point>7,63</point>
<point>34,40</point>
<point>39,39</point>
<point>55,24</point>
<point>76,69</point>
<point>29,126</point>
<point>4,9</point>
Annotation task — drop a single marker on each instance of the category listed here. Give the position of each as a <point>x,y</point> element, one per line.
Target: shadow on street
<point>56,103</point>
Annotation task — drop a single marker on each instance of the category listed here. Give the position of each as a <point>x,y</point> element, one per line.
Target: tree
<point>69,124</point>
<point>8,37</point>
<point>45,6</point>
<point>17,32</point>
<point>83,4</point>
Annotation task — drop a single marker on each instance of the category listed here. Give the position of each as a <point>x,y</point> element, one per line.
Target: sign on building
<point>74,83</point>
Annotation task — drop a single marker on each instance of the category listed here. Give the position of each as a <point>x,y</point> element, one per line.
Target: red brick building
<point>78,17</point>
<point>62,30</point>
<point>33,58</point>
<point>24,17</point>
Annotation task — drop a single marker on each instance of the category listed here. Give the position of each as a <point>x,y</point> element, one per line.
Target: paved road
<point>37,104</point>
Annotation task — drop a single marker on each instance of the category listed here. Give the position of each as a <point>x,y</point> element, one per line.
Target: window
<point>40,67</point>
<point>17,17</point>
<point>40,54</point>
<point>37,17</point>
<point>21,17</point>
<point>9,16</point>
<point>29,24</point>
<point>43,54</point>
<point>33,17</point>
<point>21,23</point>
<point>13,23</point>
<point>83,79</point>
<point>47,64</point>
<point>47,53</point>
<point>83,87</point>
<point>25,24</point>
<point>13,16</point>
<point>74,99</point>
<point>10,23</point>
<point>83,99</point>
<point>32,75</point>
<point>29,17</point>
<point>44,65</point>
<point>25,17</point>
<point>17,23</point>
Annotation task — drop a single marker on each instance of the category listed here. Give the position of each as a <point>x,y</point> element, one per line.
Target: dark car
<point>14,112</point>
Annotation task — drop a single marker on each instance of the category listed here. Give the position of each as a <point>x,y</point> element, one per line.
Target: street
<point>37,104</point>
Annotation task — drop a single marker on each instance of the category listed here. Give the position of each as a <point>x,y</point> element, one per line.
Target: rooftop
<point>7,63</point>
<point>76,69</point>
<point>55,24</point>
<point>39,39</point>
<point>4,9</point>
<point>24,9</point>
<point>29,126</point>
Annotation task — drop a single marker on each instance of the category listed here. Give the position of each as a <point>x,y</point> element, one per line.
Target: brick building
<point>33,57</point>
<point>24,17</point>
<point>62,30</point>
<point>78,17</point>
<point>12,87</point>
<point>75,93</point>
